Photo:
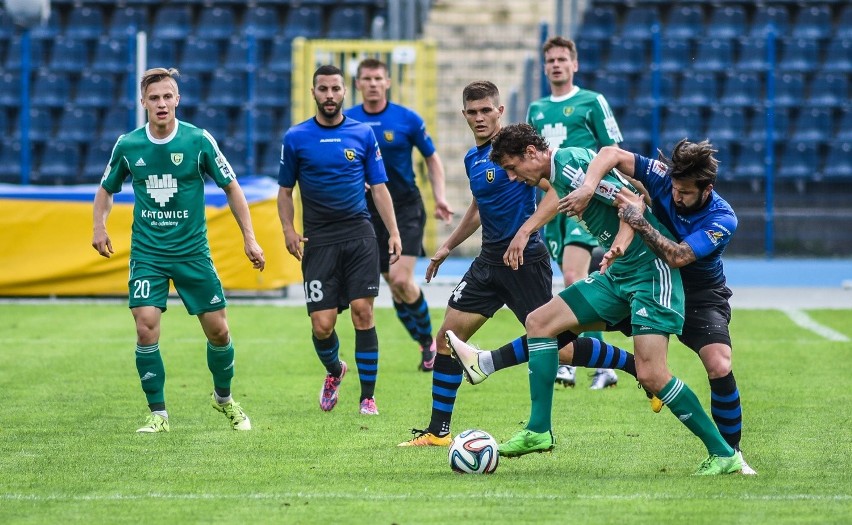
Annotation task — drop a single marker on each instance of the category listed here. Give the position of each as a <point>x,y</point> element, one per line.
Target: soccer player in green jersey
<point>166,161</point>
<point>577,117</point>
<point>636,284</point>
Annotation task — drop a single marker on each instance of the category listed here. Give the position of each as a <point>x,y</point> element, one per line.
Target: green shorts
<point>196,282</point>
<point>652,297</point>
<point>562,231</point>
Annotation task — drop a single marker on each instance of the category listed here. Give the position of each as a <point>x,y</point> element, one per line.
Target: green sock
<point>544,360</point>
<point>152,373</point>
<point>683,403</point>
<point>220,361</point>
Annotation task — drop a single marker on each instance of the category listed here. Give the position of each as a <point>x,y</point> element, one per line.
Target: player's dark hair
<point>692,161</point>
<point>558,41</point>
<point>157,74</point>
<point>326,70</point>
<point>371,63</point>
<point>479,90</point>
<point>512,141</point>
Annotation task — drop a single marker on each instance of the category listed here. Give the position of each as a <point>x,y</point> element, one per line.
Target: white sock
<point>161,413</point>
<point>486,363</point>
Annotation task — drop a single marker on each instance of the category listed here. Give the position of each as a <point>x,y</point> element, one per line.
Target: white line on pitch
<point>801,318</point>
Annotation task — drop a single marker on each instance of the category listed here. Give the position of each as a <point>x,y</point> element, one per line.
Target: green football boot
<point>716,465</point>
<point>154,423</point>
<point>526,442</point>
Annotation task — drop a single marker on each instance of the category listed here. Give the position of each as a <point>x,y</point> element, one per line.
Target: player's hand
<point>627,199</point>
<point>443,211</point>
<point>514,256</point>
<point>255,254</point>
<point>576,202</point>
<point>294,240</point>
<point>435,262</point>
<point>609,257</point>
<point>394,248</point>
<point>102,243</point>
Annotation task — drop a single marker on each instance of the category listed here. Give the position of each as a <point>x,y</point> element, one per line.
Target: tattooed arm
<point>631,208</point>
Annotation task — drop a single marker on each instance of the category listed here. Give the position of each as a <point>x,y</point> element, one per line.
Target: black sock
<point>446,380</point>
<point>726,409</point>
<point>594,353</point>
<point>367,360</point>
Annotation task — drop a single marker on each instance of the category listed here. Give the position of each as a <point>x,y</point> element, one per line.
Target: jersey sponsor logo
<point>607,190</point>
<point>568,111</point>
<point>388,135</point>
<point>554,134</point>
<point>140,162</point>
<point>161,188</point>
<point>378,152</point>
<point>658,168</point>
<point>714,236</point>
<point>329,140</point>
<point>490,173</point>
<point>177,158</point>
<point>224,168</point>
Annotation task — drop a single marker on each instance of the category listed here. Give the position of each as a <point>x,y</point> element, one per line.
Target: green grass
<point>71,403</point>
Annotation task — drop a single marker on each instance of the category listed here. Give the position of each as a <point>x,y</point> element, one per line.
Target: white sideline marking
<point>801,318</point>
<point>362,496</point>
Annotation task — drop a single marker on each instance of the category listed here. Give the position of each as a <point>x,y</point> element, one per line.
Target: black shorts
<point>411,221</point>
<point>335,274</point>
<point>707,316</point>
<point>485,288</point>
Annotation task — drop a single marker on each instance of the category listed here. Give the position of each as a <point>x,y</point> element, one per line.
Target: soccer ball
<point>28,13</point>
<point>474,452</point>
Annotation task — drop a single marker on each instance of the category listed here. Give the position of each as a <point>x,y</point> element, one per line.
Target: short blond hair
<point>157,74</point>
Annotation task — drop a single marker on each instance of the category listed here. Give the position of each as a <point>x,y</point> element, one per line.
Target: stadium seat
<point>724,155</point>
<point>726,124</point>
<point>7,27</point>
<point>96,90</point>
<point>172,22</point>
<point>216,23</point>
<point>675,54</point>
<point>272,89</point>
<point>4,122</point>
<point>261,22</point>
<point>638,22</point>
<point>799,160</point>
<point>799,55</point>
<point>726,22</point>
<point>685,21</point>
<point>838,162</point>
<point>50,90</point>
<point>813,124</point>
<point>125,21</point>
<point>615,87</point>
<point>200,55</point>
<point>812,22</point>
<point>741,89</point>
<point>599,23</point>
<point>829,89</point>
<point>263,125</point>
<point>635,124</point>
<point>757,125</point>
<point>191,94</point>
<point>347,22</point>
<point>60,164</point>
<point>645,95</point>
<point>69,55</point>
<point>227,89</point>
<point>770,13</point>
<point>303,21</point>
<point>50,30</point>
<point>750,161</point>
<point>281,55</point>
<point>789,89</point>
<point>112,55</point>
<point>214,120</point>
<point>85,23</point>
<point>41,125</point>
<point>236,151</point>
<point>752,55</point>
<point>162,53</point>
<point>77,125</point>
<point>237,53</point>
<point>626,55</point>
<point>38,54</point>
<point>838,55</point>
<point>117,121</point>
<point>95,161</point>
<point>844,127</point>
<point>10,160</point>
<point>714,55</point>
<point>10,90</point>
<point>681,122</point>
<point>698,89</point>
<point>590,54</point>
<point>844,23</point>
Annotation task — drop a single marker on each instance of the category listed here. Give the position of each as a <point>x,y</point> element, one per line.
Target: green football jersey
<point>167,175</point>
<point>568,171</point>
<point>580,119</point>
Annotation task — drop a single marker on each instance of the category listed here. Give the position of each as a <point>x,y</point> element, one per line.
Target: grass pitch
<point>71,404</point>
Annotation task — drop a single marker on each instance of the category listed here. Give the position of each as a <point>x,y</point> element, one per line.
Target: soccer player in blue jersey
<point>686,203</point>
<point>500,207</point>
<point>332,157</point>
<point>399,130</point>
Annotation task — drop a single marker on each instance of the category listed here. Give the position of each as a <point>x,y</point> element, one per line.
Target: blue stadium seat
<point>117,122</point>
<point>303,21</point>
<point>838,161</point>
<point>812,22</point>
<point>50,30</point>
<point>38,54</point>
<point>681,122</point>
<point>685,21</point>
<point>236,53</point>
<point>813,124</point>
<point>77,125</point>
<point>675,54</point>
<point>125,21</point>
<point>216,23</point>
<point>766,14</point>
<point>263,125</point>
<point>829,89</point>
<point>752,55</point>
<point>844,127</point>
<point>799,55</point>
<point>726,22</point>
<point>281,55</point>
<point>838,55</point>
<point>591,53</point>
<point>10,90</point>
<point>162,53</point>
<point>644,95</point>
<point>70,55</point>
<point>270,160</point>
<point>799,160</point>
<point>191,94</point>
<point>599,23</point>
<point>7,27</point>
<point>236,151</point>
<point>726,124</point>
<point>216,121</point>
<point>638,22</point>
<point>714,55</point>
<point>757,125</point>
<point>200,55</point>
<point>172,22</point>
<point>96,90</point>
<point>626,55</point>
<point>227,89</point>
<point>615,87</point>
<point>750,161</point>
<point>85,23</point>
<point>60,164</point>
<point>10,160</point>
<point>844,23</point>
<point>272,89</point>
<point>635,124</point>
<point>41,125</point>
<point>348,23</point>
<point>261,21</point>
<point>698,89</point>
<point>4,123</point>
<point>95,161</point>
<point>725,156</point>
<point>50,90</point>
<point>789,89</point>
<point>112,55</point>
<point>741,89</point>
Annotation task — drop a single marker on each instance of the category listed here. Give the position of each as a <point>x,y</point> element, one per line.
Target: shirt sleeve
<point>213,161</point>
<point>422,140</point>
<point>716,231</point>
<point>288,167</point>
<point>374,167</point>
<point>117,170</point>
<point>606,127</point>
<point>653,174</point>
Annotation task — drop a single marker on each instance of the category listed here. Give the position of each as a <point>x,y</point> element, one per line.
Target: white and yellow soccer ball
<point>28,13</point>
<point>474,452</point>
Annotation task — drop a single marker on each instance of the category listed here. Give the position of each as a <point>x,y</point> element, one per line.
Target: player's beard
<point>330,114</point>
<point>687,210</point>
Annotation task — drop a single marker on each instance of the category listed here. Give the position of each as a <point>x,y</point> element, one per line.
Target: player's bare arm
<point>620,242</point>
<point>546,210</point>
<point>435,168</point>
<point>468,224</point>
<point>608,157</point>
<point>286,211</point>
<point>240,209</point>
<point>384,205</point>
<point>631,208</point>
<point>102,207</point>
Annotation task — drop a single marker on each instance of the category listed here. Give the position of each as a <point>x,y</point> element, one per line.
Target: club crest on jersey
<point>490,173</point>
<point>177,158</point>
<point>388,134</point>
<point>568,111</point>
<point>349,153</point>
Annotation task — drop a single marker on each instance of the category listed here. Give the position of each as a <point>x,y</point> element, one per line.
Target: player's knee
<point>537,324</point>
<point>441,342</point>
